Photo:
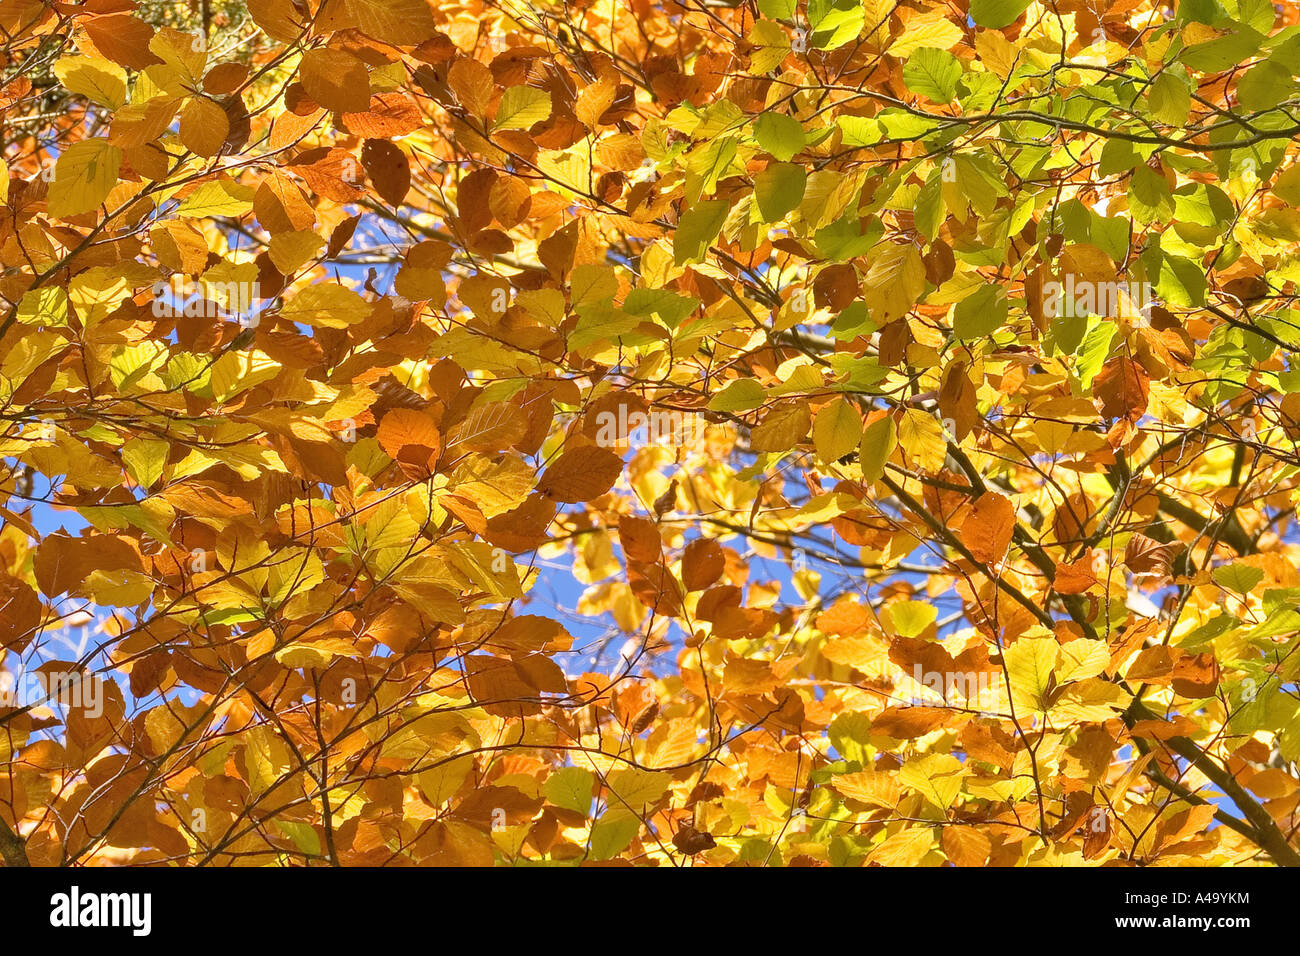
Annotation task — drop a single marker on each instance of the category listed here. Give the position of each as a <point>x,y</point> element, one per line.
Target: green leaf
<point>570,788</point>
<point>303,835</point>
<point>928,210</point>
<point>1265,85</point>
<point>522,106</point>
<point>1238,577</point>
<point>910,618</point>
<point>1170,97</point>
<point>1203,205</point>
<point>834,22</point>
<point>979,314</point>
<point>843,239</point>
<point>671,308</point>
<point>611,834</point>
<point>997,14</point>
<point>1149,195</point>
<point>1092,352</point>
<point>1178,281</point>
<point>859,130</point>
<point>740,395</point>
<point>779,134</point>
<point>697,229</point>
<point>779,189</point>
<point>1224,52</point>
<point>45,306</point>
<point>777,9</point>
<point>932,73</point>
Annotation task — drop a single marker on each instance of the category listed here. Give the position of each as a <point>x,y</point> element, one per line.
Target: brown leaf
<point>702,564</point>
<point>335,79</point>
<point>640,539</point>
<point>1121,388</point>
<point>1196,676</point>
<point>388,169</point>
<point>989,526</point>
<point>667,501</point>
<point>907,723</point>
<point>389,115</point>
<point>523,528</point>
<point>581,473</point>
<point>1074,578</point>
<point>691,841</point>
<point>1145,555</point>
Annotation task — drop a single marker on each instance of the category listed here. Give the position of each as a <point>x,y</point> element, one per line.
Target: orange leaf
<point>582,473</point>
<point>988,527</point>
<point>409,435</point>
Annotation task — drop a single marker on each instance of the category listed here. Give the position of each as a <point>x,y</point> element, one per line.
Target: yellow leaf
<point>937,777</point>
<point>144,459</point>
<point>522,106</point>
<point>119,588</point>
<point>223,198</point>
<point>784,426</point>
<point>84,176</point>
<point>336,80</point>
<point>327,305</point>
<point>290,251</point>
<point>440,783</point>
<point>922,439</point>
<point>46,306</point>
<point>400,22</point>
<point>869,786</point>
<point>636,788</point>
<point>1082,658</point>
<point>930,29</point>
<point>1094,700</point>
<point>879,439</point>
<point>239,371</point>
<point>1029,663</point>
<point>907,848</point>
<point>100,80</point>
<point>204,127</point>
<point>837,430</point>
<point>472,83</point>
<point>894,281</point>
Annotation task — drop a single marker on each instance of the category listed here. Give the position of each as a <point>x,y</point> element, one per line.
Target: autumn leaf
<point>580,474</point>
<point>988,527</point>
<point>830,434</point>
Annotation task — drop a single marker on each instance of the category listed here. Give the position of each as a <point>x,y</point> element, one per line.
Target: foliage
<point>902,394</point>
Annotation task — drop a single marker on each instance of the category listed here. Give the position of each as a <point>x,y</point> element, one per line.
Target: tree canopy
<point>726,432</point>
